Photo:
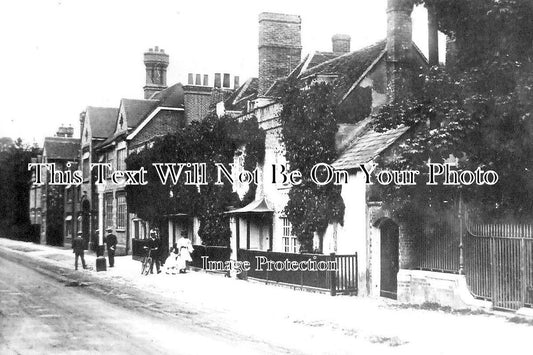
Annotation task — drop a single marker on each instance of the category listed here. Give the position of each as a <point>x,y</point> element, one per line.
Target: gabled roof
<point>347,67</point>
<point>366,144</point>
<point>61,148</point>
<point>257,206</point>
<point>102,120</point>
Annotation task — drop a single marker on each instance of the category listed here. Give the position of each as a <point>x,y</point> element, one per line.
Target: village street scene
<point>274,178</point>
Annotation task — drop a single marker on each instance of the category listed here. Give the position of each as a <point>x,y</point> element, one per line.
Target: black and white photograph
<point>280,177</point>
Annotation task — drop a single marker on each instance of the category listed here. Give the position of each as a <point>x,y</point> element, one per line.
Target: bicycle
<point>146,261</point>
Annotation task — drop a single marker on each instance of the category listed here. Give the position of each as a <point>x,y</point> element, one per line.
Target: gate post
<point>333,278</point>
<point>461,251</point>
<point>523,277</point>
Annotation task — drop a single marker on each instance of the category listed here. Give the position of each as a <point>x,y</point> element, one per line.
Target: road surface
<point>40,314</point>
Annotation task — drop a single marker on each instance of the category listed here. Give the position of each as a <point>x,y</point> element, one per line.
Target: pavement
<point>330,323</point>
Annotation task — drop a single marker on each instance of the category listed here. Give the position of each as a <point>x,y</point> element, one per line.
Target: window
<point>136,229</point>
<point>121,159</point>
<point>110,159</point>
<point>108,210</point>
<point>86,171</point>
<point>121,211</point>
<point>290,242</point>
<point>70,191</point>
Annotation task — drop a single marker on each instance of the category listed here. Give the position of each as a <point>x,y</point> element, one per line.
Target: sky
<point>60,56</point>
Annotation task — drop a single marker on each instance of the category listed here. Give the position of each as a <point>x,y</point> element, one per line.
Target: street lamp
<point>100,258</point>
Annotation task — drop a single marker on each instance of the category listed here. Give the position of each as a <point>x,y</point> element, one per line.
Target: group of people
<point>78,248</point>
<point>180,255</point>
<point>177,261</point>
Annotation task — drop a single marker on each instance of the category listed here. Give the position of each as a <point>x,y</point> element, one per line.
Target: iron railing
<point>499,263</point>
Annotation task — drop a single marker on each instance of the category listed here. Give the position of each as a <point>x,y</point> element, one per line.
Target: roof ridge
<point>329,61</point>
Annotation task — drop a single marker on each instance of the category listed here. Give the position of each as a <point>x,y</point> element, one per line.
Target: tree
<point>477,110</point>
<point>308,128</point>
<point>15,183</point>
<point>209,141</point>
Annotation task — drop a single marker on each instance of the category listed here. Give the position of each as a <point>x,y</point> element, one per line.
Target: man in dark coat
<point>78,250</point>
<point>155,245</point>
<point>111,242</point>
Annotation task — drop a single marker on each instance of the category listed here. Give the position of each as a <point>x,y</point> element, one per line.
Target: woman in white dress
<point>185,249</point>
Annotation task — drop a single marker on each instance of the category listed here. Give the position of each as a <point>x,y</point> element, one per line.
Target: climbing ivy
<point>208,141</point>
<point>308,128</point>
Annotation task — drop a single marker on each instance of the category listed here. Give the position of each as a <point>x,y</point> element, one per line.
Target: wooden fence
<point>334,273</point>
<point>213,253</point>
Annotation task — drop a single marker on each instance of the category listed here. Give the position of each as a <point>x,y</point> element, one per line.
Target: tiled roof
<point>247,91</point>
<point>366,145</point>
<point>137,110</point>
<point>320,57</point>
<point>171,96</point>
<point>62,148</point>
<point>348,67</point>
<point>102,120</point>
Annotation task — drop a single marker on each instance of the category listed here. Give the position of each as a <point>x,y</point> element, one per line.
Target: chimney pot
<point>156,49</point>
<point>236,82</point>
<point>190,79</point>
<point>226,80</point>
<point>218,80</point>
<point>206,80</point>
<point>198,79</point>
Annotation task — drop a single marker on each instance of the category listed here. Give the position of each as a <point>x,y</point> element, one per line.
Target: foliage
<point>478,110</point>
<point>15,183</point>
<point>208,141</point>
<point>308,128</point>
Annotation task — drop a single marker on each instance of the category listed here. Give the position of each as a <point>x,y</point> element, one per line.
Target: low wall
<point>418,287</point>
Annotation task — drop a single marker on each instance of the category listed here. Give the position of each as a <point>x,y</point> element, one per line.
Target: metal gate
<point>499,263</point>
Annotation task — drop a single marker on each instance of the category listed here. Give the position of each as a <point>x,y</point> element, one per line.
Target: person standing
<point>155,246</point>
<point>185,249</point>
<point>111,243</point>
<point>78,250</point>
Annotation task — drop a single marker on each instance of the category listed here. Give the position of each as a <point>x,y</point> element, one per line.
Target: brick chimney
<point>399,46</point>
<point>280,47</point>
<point>156,63</point>
<point>340,43</point>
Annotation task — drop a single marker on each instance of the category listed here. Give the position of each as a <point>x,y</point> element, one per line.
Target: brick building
<point>47,203</point>
<point>133,127</point>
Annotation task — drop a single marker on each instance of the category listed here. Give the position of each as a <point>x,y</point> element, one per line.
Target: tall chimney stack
<point>156,63</point>
<point>280,47</point>
<point>433,36</point>
<point>399,46</point>
<point>340,43</point>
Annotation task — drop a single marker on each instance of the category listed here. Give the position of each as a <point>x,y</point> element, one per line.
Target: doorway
<point>389,259</point>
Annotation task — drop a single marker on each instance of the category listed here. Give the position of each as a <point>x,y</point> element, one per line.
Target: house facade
<point>366,79</point>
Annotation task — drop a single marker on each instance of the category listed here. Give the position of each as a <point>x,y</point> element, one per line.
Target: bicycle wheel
<point>146,266</point>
